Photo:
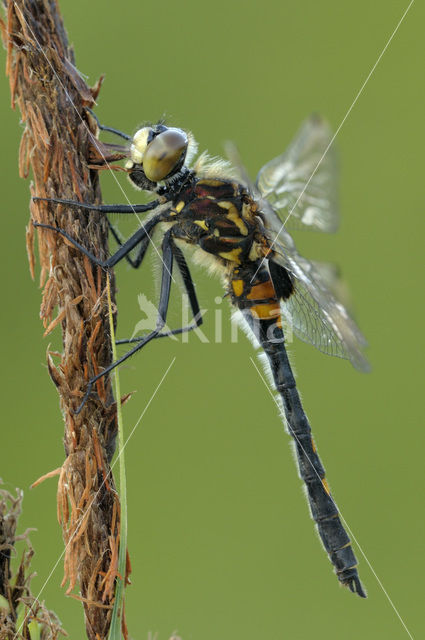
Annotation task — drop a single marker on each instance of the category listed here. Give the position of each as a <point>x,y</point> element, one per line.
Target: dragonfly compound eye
<point>165,155</point>
<point>139,144</point>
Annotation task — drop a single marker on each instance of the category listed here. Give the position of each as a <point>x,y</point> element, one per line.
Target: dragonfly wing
<point>315,314</point>
<point>232,152</point>
<point>301,184</point>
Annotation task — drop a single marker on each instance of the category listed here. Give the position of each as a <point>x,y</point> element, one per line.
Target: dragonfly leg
<point>190,290</point>
<point>104,208</point>
<point>141,251</point>
<point>102,127</point>
<point>191,293</point>
<point>164,299</point>
<point>140,236</point>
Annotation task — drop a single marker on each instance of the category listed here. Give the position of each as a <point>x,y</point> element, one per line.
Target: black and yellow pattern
<point>217,215</point>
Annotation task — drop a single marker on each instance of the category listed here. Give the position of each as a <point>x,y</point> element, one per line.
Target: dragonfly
<point>242,229</point>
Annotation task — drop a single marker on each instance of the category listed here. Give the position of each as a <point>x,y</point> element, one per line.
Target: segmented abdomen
<point>254,294</point>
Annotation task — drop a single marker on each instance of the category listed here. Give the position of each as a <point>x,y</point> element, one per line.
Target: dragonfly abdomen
<point>256,297</point>
<point>254,293</point>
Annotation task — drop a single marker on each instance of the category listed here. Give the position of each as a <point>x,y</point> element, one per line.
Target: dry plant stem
<point>51,96</point>
<point>23,609</point>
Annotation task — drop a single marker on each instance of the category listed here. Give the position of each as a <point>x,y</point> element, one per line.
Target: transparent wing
<point>302,182</point>
<point>315,314</point>
<point>313,310</point>
<point>232,152</point>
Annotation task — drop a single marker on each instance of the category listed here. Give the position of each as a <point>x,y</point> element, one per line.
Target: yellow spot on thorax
<point>233,215</point>
<point>211,183</point>
<point>179,206</point>
<point>201,223</point>
<point>232,255</point>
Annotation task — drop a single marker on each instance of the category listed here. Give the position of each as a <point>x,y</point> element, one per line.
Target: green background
<point>220,538</point>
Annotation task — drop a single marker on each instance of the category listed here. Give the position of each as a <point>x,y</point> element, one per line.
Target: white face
<point>139,144</point>
<point>161,154</point>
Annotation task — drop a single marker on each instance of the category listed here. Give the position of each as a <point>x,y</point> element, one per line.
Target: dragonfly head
<point>158,151</point>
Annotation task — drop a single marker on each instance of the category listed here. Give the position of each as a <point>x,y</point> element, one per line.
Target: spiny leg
<point>102,127</point>
<point>164,299</point>
<point>110,208</point>
<point>144,243</point>
<point>140,235</point>
<point>105,208</point>
<point>140,252</point>
<point>187,281</point>
<point>190,289</point>
<point>193,300</point>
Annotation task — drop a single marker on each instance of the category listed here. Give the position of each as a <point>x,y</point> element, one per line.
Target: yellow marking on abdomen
<point>326,486</point>
<point>237,286</point>
<point>258,251</point>
<point>345,547</point>
<point>262,291</point>
<point>266,311</point>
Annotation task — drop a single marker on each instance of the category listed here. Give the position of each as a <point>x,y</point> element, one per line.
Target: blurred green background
<point>220,538</point>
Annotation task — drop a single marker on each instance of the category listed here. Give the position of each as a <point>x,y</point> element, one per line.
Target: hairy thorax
<point>220,218</point>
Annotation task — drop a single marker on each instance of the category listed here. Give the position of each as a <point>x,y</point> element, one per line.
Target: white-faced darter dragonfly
<point>238,227</point>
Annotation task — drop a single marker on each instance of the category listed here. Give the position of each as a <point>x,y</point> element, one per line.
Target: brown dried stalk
<point>52,96</point>
<point>15,585</point>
